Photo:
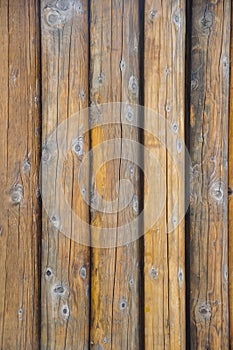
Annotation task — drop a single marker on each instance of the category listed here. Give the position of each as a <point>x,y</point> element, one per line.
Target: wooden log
<point>19,155</point>
<point>65,262</point>
<point>230,194</point>
<point>208,184</point>
<point>114,76</point>
<point>164,261</point>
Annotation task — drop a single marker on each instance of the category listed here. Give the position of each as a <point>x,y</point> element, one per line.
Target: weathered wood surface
<point>65,262</point>
<point>19,154</point>
<point>164,78</point>
<point>230,193</point>
<point>114,76</point>
<point>55,292</point>
<point>208,149</point>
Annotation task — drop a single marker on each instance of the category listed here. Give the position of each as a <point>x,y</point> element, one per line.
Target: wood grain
<point>115,283</point>
<point>230,193</point>
<point>65,262</point>
<point>19,154</point>
<point>164,271</point>
<point>209,155</point>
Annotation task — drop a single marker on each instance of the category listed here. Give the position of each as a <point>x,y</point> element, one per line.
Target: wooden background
<point>162,291</point>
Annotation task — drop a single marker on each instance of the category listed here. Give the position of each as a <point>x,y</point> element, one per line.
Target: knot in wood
<point>194,84</point>
<point>77,147</point>
<point>55,19</point>
<point>16,194</point>
<point>46,155</point>
<point>152,15</point>
<point>175,127</point>
<point>204,311</point>
<point>154,273</point>
<point>177,18</point>
<point>133,85</point>
<point>83,272</point>
<point>216,191</point>
<point>129,114</point>
<point>60,290</point>
<point>207,20</point>
<point>55,221</point>
<point>63,5</point>
<point>65,312</point>
<point>48,273</point>
<point>123,304</point>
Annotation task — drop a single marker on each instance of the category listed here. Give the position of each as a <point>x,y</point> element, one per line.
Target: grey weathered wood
<point>209,319</point>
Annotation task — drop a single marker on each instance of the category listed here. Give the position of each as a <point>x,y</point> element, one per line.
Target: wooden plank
<point>230,192</point>
<point>209,154</point>
<point>65,262</point>
<point>115,284</point>
<point>164,76</point>
<point>19,154</point>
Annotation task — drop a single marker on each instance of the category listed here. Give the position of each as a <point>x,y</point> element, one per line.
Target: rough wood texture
<point>65,263</point>
<point>115,288</point>
<point>19,154</point>
<point>209,200</point>
<point>164,76</point>
<point>230,192</point>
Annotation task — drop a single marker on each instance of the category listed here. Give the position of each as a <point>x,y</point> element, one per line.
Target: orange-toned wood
<point>19,168</point>
<point>164,88</point>
<point>115,287</point>
<point>65,262</point>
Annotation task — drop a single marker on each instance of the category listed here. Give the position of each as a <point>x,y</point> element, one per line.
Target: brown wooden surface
<point>19,154</point>
<point>65,263</point>
<point>57,58</point>
<point>115,287</point>
<point>164,77</point>
<point>230,193</point>
<point>208,150</point>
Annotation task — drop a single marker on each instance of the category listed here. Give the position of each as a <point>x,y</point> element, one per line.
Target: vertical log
<point>230,193</point>
<point>209,156</point>
<point>164,77</point>
<point>65,262</point>
<point>114,73</point>
<point>19,154</point>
